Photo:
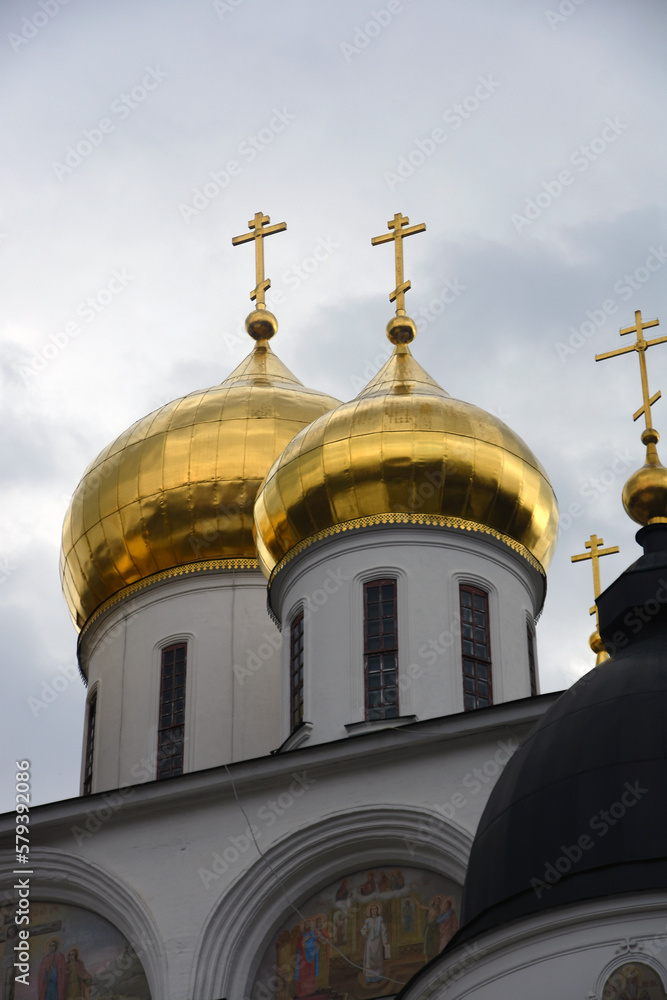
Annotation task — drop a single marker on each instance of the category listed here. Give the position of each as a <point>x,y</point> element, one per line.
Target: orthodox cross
<point>594,555</point>
<point>398,224</point>
<point>260,228</point>
<point>35,929</point>
<point>641,345</point>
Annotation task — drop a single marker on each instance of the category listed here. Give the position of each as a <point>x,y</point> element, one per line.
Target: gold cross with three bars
<point>260,228</point>
<point>398,224</point>
<point>641,345</point>
<point>594,555</point>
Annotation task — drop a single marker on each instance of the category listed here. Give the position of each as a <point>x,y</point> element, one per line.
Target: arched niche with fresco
<point>361,936</point>
<point>74,954</point>
<point>634,981</point>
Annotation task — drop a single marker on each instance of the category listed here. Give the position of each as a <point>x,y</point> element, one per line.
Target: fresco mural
<point>74,955</point>
<point>634,981</point>
<point>360,937</point>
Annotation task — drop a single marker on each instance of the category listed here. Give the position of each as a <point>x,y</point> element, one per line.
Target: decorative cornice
<point>187,569</point>
<point>433,520</point>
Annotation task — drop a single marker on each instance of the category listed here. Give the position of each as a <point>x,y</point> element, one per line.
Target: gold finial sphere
<point>596,643</point>
<point>261,324</point>
<point>401,330</point>
<point>650,436</point>
<point>645,494</point>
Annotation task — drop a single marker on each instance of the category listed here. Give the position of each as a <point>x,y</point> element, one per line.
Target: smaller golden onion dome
<point>645,493</point>
<point>405,451</point>
<point>177,488</point>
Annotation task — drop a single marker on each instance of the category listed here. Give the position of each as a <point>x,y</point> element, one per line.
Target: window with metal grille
<point>380,650</point>
<point>90,746</point>
<point>475,647</point>
<point>531,662</point>
<point>296,671</point>
<point>171,724</point>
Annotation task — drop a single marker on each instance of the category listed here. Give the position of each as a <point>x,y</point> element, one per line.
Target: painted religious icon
<point>441,924</point>
<point>374,933</point>
<point>361,937</point>
<point>74,955</point>
<point>634,981</point>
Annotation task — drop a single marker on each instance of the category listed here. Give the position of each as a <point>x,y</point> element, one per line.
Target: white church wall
<point>326,582</point>
<point>181,846</point>
<point>232,674</point>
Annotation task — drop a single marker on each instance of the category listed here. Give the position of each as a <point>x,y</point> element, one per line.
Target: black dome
<point>581,808</point>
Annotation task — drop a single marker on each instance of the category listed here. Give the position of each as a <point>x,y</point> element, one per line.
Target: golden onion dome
<point>175,492</point>
<point>405,452</point>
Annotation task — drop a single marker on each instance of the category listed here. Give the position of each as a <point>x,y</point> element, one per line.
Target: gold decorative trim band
<point>187,569</point>
<point>435,520</point>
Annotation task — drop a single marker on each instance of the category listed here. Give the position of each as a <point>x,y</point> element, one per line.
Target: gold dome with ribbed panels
<point>404,451</point>
<point>175,492</point>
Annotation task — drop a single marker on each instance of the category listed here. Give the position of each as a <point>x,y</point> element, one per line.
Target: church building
<point>316,762</point>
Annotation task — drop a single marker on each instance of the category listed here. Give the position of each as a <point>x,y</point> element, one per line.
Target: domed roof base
<point>581,809</point>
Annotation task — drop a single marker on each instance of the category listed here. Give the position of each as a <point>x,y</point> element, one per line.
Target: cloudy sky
<point>140,136</point>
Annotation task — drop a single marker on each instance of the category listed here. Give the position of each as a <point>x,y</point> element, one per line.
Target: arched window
<point>380,650</point>
<point>296,671</point>
<point>531,662</point>
<point>475,648</point>
<point>171,723</point>
<point>90,746</point>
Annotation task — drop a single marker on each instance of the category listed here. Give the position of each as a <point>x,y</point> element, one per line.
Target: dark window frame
<point>171,711</point>
<point>476,660</point>
<point>297,662</point>
<point>381,687</point>
<point>532,665</point>
<point>91,726</point>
